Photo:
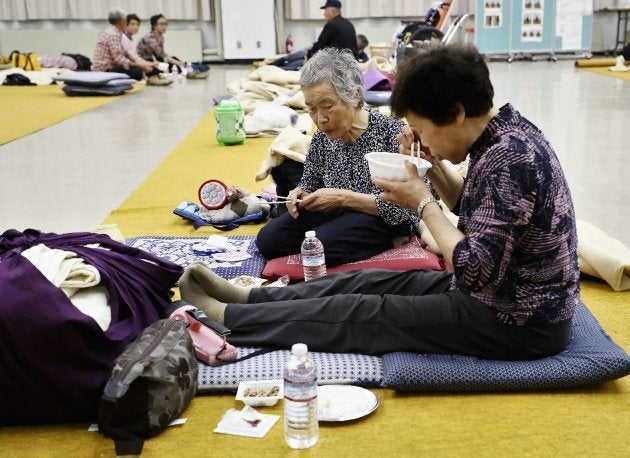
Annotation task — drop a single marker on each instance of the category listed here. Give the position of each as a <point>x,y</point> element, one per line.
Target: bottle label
<point>313,261</point>
<point>300,391</point>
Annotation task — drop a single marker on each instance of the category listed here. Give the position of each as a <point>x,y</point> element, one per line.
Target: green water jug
<point>230,122</point>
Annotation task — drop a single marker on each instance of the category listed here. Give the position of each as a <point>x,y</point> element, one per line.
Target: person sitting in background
<point>151,46</point>
<point>515,280</point>
<point>338,31</point>
<point>335,196</point>
<point>153,76</point>
<point>109,54</point>
<point>362,44</point>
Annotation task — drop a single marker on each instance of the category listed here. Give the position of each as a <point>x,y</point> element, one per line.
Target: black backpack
<point>83,62</point>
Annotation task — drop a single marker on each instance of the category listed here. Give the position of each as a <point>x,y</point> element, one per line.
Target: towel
<point>290,143</point>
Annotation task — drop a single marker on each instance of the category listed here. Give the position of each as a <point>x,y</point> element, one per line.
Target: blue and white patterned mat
<point>591,357</point>
<point>332,367</point>
<point>179,250</point>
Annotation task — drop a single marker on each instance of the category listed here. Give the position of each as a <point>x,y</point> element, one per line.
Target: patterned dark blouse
<point>334,164</point>
<point>520,252</point>
<point>151,45</point>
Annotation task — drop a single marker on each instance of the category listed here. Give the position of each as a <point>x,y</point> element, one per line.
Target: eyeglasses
<point>162,23</point>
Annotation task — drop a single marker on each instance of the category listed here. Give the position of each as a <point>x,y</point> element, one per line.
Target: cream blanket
<point>275,75</point>
<point>603,257</point>
<point>599,255</point>
<point>255,127</point>
<point>78,281</point>
<point>291,143</point>
<point>266,84</point>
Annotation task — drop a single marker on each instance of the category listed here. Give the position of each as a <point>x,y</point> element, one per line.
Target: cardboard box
<point>381,49</point>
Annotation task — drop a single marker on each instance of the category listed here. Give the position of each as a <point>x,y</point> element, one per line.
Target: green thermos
<point>230,122</point>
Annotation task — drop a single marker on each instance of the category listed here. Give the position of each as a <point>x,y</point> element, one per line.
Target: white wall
<point>304,32</point>
<point>185,44</point>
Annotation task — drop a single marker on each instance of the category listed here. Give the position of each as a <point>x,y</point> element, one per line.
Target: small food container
<point>391,166</point>
<point>257,393</point>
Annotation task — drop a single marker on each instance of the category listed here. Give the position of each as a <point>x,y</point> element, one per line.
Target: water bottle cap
<point>310,234</point>
<point>299,349</point>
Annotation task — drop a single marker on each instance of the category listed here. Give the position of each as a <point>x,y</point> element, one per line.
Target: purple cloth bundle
<point>55,360</point>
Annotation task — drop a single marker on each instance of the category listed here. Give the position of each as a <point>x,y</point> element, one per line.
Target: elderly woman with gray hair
<point>336,197</point>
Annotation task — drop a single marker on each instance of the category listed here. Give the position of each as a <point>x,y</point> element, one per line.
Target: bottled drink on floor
<point>301,428</point>
<point>313,259</point>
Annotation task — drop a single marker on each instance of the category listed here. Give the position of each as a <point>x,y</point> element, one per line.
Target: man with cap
<point>338,31</point>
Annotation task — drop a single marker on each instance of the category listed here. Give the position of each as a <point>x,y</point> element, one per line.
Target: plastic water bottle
<point>301,428</point>
<point>313,259</point>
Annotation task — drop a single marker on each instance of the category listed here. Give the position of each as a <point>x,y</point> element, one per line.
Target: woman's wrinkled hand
<point>408,193</point>
<point>322,200</point>
<point>293,206</point>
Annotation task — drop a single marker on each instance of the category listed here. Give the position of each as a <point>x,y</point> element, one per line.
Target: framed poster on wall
<point>492,26</point>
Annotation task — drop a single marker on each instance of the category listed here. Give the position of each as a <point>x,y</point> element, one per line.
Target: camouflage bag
<point>151,383</point>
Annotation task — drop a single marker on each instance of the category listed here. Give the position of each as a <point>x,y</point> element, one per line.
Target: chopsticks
<point>416,154</point>
<point>279,200</point>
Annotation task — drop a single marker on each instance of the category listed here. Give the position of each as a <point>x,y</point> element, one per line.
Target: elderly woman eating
<point>335,196</point>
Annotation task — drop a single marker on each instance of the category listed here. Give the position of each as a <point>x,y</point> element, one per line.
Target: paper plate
<point>344,402</point>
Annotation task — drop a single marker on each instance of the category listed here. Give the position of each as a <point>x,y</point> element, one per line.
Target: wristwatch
<point>423,203</point>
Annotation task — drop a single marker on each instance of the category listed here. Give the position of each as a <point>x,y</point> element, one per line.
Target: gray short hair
<point>339,68</point>
<point>116,15</point>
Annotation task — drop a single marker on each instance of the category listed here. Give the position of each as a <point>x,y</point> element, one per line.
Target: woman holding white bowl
<point>515,280</point>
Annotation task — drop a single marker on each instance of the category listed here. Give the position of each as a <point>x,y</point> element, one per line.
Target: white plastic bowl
<point>391,166</point>
<point>256,393</point>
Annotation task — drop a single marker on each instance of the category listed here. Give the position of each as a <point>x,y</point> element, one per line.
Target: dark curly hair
<point>434,82</point>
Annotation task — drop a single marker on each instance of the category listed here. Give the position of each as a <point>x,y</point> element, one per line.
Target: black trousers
<point>347,236</point>
<point>381,311</point>
<point>134,72</point>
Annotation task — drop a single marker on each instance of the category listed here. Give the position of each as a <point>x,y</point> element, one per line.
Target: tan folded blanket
<point>254,127</point>
<point>275,75</point>
<point>603,257</point>
<point>290,143</point>
<point>599,255</point>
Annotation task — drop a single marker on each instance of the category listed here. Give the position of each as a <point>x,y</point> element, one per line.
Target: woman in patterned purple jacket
<point>515,279</point>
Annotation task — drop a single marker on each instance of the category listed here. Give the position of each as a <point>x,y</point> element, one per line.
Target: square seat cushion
<point>411,255</point>
<point>89,78</point>
<point>591,357</point>
<point>74,90</point>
